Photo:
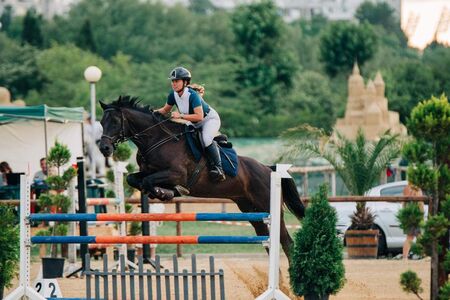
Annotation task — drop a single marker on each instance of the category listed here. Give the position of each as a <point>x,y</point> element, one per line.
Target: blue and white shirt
<point>187,101</point>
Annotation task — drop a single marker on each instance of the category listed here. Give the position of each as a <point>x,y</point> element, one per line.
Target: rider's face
<point>177,85</point>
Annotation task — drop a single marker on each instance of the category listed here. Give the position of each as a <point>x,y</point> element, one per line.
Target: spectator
<point>5,169</point>
<point>42,174</point>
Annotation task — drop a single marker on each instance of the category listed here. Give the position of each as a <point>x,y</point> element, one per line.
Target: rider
<point>193,108</point>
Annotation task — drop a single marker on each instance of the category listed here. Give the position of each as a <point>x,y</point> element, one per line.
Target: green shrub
<point>317,261</point>
<point>409,217</point>
<point>9,247</point>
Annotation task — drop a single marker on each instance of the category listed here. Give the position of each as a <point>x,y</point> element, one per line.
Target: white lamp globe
<point>92,74</point>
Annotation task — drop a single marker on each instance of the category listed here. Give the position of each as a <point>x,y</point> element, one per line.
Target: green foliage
<point>19,70</point>
<point>122,152</point>
<point>446,263</point>
<point>9,246</point>
<point>410,283</point>
<point>32,33</point>
<point>343,43</point>
<point>409,217</point>
<point>436,226</point>
<point>359,162</point>
<point>444,291</point>
<point>268,67</point>
<point>430,120</point>
<point>413,82</point>
<point>59,155</point>
<point>417,151</point>
<point>85,39</point>
<point>377,14</point>
<point>423,176</point>
<point>6,18</point>
<point>317,261</point>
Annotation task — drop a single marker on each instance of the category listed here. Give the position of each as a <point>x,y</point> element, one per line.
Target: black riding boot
<point>215,163</point>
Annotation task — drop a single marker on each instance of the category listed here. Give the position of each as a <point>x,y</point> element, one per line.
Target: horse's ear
<point>103,105</point>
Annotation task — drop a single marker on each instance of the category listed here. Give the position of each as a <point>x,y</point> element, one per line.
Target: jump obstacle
<point>273,242</point>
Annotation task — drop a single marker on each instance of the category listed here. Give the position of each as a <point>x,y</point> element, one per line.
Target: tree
<point>430,170</point>
<point>85,38</point>
<point>317,267</point>
<point>359,163</point>
<point>343,43</point>
<point>9,246</point>
<point>6,18</point>
<point>438,59</point>
<point>407,84</point>
<point>377,14</point>
<point>201,7</point>
<point>18,68</point>
<point>268,67</point>
<point>32,33</point>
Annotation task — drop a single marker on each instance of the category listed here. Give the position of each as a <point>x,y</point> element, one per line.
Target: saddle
<point>228,155</point>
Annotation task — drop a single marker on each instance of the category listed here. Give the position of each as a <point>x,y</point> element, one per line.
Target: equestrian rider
<point>193,108</point>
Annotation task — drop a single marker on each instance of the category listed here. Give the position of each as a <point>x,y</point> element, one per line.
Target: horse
<point>167,166</point>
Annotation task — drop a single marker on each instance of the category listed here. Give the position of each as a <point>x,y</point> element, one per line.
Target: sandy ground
<point>246,277</point>
<point>246,274</point>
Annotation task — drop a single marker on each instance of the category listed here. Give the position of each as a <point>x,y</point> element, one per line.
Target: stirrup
<point>216,175</point>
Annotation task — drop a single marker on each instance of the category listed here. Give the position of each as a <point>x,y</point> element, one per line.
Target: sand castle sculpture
<point>5,98</point>
<point>367,108</point>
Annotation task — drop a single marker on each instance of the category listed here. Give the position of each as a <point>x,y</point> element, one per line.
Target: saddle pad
<point>230,162</point>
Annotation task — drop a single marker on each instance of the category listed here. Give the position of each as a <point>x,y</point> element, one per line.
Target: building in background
<point>290,9</point>
<point>426,21</point>
<point>46,8</point>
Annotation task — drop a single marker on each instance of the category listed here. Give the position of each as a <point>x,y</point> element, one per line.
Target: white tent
<point>28,133</point>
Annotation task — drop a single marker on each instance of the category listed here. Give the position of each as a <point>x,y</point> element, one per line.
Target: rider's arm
<point>197,116</point>
<point>165,109</point>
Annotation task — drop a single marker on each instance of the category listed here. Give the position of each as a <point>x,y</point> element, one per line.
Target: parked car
<point>391,236</point>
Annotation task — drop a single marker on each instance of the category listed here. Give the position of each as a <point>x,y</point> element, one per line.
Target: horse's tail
<point>291,197</point>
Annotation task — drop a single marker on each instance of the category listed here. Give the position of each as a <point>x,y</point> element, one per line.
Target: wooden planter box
<point>362,243</point>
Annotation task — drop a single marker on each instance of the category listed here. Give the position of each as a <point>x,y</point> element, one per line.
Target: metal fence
<point>160,283</point>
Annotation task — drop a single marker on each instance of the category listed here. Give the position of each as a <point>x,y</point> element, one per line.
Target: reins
<point>137,136</point>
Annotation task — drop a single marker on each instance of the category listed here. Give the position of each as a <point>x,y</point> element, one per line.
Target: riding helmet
<point>180,73</point>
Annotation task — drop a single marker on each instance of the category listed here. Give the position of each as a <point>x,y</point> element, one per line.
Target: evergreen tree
<point>32,33</point>
<point>6,18</point>
<point>201,7</point>
<point>344,43</point>
<point>317,267</point>
<point>85,39</point>
<point>268,67</point>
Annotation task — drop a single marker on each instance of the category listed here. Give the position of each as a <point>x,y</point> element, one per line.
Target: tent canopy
<point>10,114</point>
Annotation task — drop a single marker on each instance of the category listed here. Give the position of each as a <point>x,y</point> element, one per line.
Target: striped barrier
<point>273,291</point>
<point>185,239</point>
<point>152,217</point>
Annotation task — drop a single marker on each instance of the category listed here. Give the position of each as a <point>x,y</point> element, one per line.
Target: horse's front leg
<point>153,182</point>
<point>135,180</point>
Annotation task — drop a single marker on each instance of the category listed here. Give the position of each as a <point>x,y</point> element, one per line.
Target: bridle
<point>137,136</point>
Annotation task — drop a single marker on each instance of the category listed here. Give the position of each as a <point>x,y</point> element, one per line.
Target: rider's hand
<point>176,115</point>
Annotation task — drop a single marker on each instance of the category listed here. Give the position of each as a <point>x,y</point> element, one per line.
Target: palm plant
<point>358,162</point>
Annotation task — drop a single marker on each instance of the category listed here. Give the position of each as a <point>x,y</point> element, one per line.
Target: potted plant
<point>55,200</point>
<point>9,247</point>
<point>358,162</point>
<point>317,268</point>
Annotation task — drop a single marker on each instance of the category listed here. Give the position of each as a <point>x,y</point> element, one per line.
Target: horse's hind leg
<point>135,180</point>
<point>285,239</point>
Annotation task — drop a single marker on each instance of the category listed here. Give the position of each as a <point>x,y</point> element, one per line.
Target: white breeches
<point>210,127</point>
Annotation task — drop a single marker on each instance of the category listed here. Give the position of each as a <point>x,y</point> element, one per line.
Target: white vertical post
<point>273,291</point>
<point>119,170</point>
<point>24,288</point>
<point>93,119</point>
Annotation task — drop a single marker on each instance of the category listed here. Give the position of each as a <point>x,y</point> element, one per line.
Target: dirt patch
<point>246,277</point>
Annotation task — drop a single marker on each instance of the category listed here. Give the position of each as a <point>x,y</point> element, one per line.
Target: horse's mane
<point>126,101</point>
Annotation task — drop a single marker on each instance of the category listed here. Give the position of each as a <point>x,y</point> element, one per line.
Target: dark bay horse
<point>166,162</point>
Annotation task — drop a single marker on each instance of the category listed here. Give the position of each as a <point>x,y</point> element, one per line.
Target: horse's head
<point>113,128</point>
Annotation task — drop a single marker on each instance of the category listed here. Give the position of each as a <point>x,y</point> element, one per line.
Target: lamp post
<point>92,74</point>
